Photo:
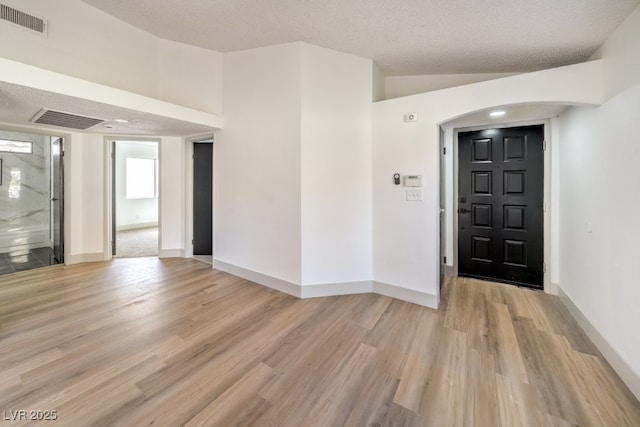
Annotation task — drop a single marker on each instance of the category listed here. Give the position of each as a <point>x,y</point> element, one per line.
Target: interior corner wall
<point>86,43</point>
<point>257,163</point>
<point>378,93</point>
<point>621,57</point>
<point>598,219</point>
<point>336,167</point>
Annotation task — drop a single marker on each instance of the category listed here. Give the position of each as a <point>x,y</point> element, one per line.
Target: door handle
<point>463,211</point>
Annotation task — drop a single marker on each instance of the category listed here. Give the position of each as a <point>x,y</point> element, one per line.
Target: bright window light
<point>11,146</point>
<point>141,178</point>
<point>15,183</point>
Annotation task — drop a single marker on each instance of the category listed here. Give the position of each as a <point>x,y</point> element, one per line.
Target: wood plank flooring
<point>137,342</point>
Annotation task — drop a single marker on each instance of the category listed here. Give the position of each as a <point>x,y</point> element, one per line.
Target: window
<point>141,181</point>
<point>11,146</point>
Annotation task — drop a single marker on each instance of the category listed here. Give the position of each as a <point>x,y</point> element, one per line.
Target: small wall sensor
<point>411,117</point>
<point>396,178</point>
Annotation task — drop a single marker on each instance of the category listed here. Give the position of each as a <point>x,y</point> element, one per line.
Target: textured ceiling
<point>19,104</point>
<point>402,36</point>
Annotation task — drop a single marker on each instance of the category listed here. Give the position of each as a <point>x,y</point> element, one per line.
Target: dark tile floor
<point>26,259</point>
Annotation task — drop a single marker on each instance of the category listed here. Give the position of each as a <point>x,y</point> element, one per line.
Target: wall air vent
<point>23,19</point>
<point>65,120</point>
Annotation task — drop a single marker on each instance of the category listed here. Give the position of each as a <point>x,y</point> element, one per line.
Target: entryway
<point>500,205</point>
<point>203,200</point>
<point>134,212</point>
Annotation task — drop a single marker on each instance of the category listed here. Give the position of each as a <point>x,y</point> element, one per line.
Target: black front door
<point>500,205</point>
<point>202,198</point>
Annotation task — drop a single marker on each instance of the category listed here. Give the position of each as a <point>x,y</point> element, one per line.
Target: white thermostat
<point>413,181</point>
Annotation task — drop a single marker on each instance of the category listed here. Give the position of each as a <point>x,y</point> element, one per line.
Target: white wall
<point>89,44</point>
<point>84,198</point>
<point>257,163</point>
<point>397,86</point>
<point>172,197</point>
<point>133,213</point>
<point>292,169</point>
<point>378,83</point>
<point>406,234</point>
<point>190,76</point>
<point>620,56</point>
<point>84,42</point>
<point>336,167</point>
<point>599,238</point>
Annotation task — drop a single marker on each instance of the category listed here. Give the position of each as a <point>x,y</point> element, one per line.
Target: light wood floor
<point>171,342</point>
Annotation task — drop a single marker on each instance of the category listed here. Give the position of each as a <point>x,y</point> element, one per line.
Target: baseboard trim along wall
<point>171,253</point>
<point>262,279</point>
<point>126,227</point>
<point>330,289</point>
<point>405,294</point>
<point>626,373</point>
<point>449,271</point>
<point>333,289</point>
<point>80,258</point>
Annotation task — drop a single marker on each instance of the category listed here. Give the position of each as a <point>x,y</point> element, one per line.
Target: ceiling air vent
<point>23,20</point>
<point>65,120</point>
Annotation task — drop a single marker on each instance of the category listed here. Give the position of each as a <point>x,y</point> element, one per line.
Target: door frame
<point>188,147</point>
<point>109,189</point>
<point>52,177</point>
<point>548,287</point>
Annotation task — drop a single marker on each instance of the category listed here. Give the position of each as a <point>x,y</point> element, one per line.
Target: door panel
<point>202,198</point>
<point>57,198</point>
<point>500,214</point>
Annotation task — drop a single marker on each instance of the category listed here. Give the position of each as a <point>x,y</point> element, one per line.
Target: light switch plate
<point>414,195</point>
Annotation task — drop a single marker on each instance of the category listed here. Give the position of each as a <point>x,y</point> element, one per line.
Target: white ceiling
<point>402,36</point>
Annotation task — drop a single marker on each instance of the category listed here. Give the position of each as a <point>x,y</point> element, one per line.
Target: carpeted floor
<point>137,242</point>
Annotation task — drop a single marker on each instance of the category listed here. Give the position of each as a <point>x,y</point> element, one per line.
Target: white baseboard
<point>330,289</point>
<point>404,294</point>
<point>171,253</point>
<point>622,368</point>
<point>262,279</point>
<point>333,289</point>
<point>80,258</point>
<point>449,271</point>
<point>136,225</point>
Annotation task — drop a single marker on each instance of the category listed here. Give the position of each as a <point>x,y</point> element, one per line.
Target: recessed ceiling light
<point>497,113</point>
<point>121,121</point>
